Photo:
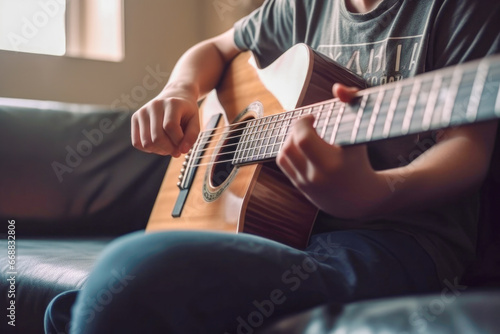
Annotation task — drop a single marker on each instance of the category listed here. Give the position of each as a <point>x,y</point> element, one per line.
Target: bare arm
<point>341,181</point>
<point>169,124</point>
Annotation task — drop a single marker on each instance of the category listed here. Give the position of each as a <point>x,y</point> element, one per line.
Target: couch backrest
<point>71,169</point>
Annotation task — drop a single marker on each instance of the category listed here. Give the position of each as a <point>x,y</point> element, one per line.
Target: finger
<point>190,134</point>
<point>310,145</point>
<point>291,158</point>
<point>135,132</point>
<point>144,131</point>
<point>172,122</point>
<point>160,141</point>
<point>288,169</point>
<point>344,93</point>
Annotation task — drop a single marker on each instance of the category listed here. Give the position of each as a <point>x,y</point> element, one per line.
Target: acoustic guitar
<point>229,181</point>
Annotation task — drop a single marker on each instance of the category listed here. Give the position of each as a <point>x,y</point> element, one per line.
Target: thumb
<point>344,93</point>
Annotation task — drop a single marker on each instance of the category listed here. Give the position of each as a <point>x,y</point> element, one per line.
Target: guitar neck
<point>453,96</point>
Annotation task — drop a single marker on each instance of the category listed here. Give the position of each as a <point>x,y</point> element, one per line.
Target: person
<point>396,217</point>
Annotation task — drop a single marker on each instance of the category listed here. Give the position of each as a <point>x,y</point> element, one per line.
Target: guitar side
<point>255,198</point>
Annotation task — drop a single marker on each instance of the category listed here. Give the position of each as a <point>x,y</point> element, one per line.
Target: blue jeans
<point>203,282</point>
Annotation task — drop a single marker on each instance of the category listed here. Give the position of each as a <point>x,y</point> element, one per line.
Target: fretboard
<point>445,98</point>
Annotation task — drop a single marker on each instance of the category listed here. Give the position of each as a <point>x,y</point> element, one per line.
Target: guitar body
<point>252,198</point>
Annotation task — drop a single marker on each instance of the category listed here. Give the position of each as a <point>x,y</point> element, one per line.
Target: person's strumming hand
<point>168,124</point>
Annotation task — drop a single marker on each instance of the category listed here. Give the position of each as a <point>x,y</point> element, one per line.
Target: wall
<point>156,33</point>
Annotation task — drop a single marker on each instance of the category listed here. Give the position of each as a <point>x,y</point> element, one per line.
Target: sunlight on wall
<point>33,26</point>
<point>95,29</point>
<point>90,29</point>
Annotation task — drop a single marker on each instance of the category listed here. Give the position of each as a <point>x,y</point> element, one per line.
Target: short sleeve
<point>463,31</point>
<point>268,31</point>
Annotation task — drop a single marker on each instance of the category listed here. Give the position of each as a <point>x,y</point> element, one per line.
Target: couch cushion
<point>454,311</point>
<point>45,268</point>
<point>71,169</point>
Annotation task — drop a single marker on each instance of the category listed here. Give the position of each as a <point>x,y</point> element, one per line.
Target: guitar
<point>229,181</point>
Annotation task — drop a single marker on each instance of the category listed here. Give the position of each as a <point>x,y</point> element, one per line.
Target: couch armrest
<point>70,169</point>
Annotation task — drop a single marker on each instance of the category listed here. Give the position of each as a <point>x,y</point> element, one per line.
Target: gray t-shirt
<point>397,40</point>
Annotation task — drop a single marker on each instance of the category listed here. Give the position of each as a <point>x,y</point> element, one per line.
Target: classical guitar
<point>229,182</point>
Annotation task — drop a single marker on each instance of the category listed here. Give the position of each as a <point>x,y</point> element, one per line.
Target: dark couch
<point>70,182</point>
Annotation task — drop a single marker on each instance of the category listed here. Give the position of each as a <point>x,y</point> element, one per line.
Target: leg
<point>194,282</point>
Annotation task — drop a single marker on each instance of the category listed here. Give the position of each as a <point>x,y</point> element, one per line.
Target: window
<point>76,28</point>
<point>32,26</point>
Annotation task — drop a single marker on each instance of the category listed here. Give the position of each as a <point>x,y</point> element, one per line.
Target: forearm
<point>199,70</point>
<point>455,166</point>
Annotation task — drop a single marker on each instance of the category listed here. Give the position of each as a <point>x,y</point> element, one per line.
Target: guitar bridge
<point>190,166</point>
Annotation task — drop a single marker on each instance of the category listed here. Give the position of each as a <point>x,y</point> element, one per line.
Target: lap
<point>196,280</point>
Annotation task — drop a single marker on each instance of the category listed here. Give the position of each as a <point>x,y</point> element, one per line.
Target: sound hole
<point>223,165</point>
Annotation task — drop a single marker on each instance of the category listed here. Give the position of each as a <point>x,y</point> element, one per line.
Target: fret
<point>378,129</point>
<point>250,140</point>
<point>391,111</point>
<point>345,128</point>
<point>254,139</point>
<point>459,113</point>
<point>286,127</point>
<point>477,91</point>
<point>443,93</point>
<point>357,122</point>
<point>401,108</point>
<point>272,137</point>
<point>336,106</point>
<point>376,111</point>
<point>267,136</point>
<point>327,119</point>
<point>366,117</point>
<point>246,141</point>
<point>337,123</point>
<point>256,143</point>
<point>411,107</point>
<point>281,131</point>
<point>318,114</point>
<point>420,105</point>
<point>431,103</point>
<point>297,114</point>
<point>451,97</point>
<point>241,143</point>
<point>264,138</point>
<point>488,100</point>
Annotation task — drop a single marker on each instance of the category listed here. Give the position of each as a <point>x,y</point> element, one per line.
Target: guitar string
<point>262,151</point>
<point>374,90</point>
<point>277,137</point>
<point>334,106</point>
<point>215,137</point>
<point>312,106</point>
<point>259,153</point>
